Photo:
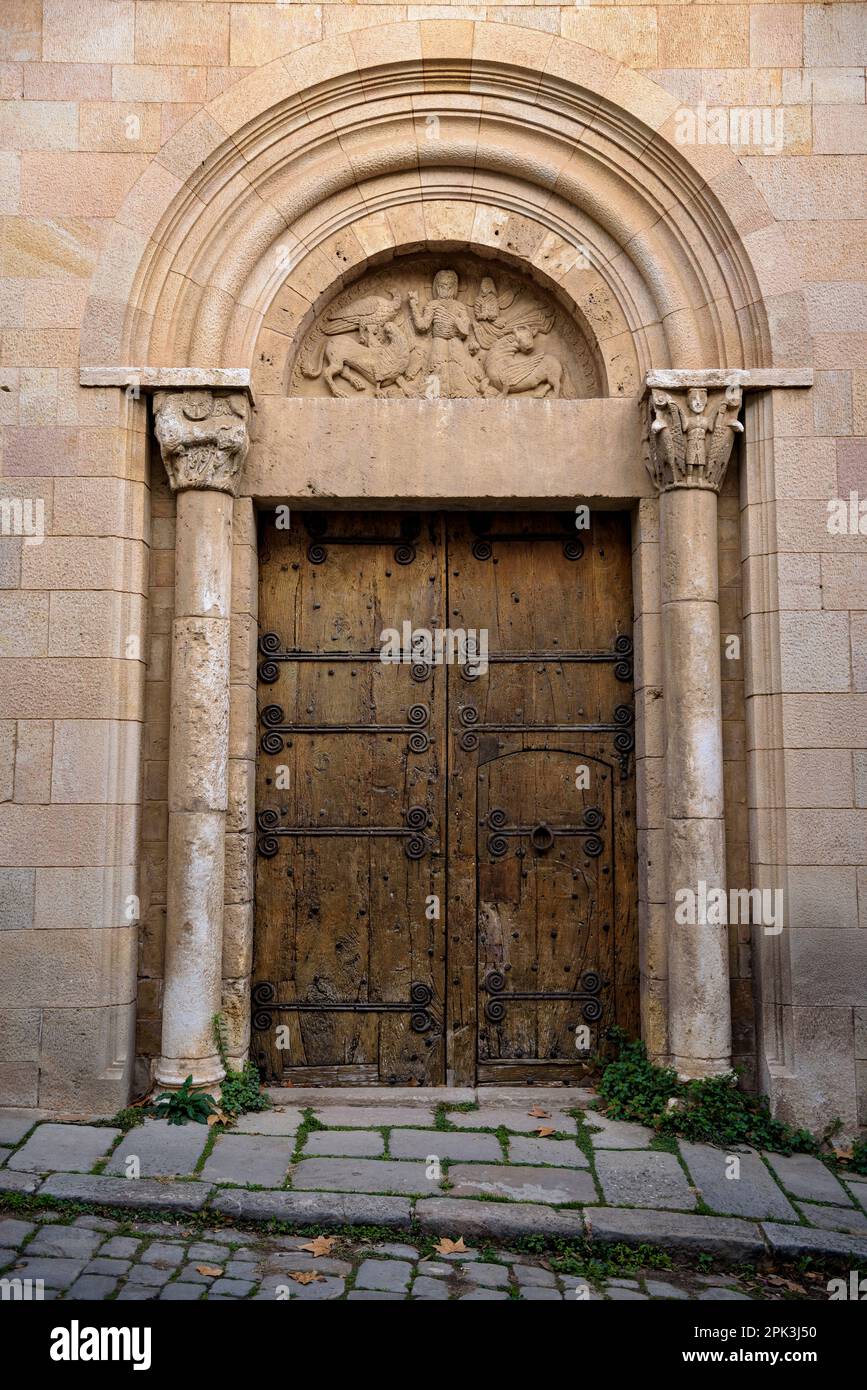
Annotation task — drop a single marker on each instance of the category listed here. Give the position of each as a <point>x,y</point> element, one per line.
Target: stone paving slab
<point>428,1288</point>
<point>859,1191</point>
<point>835,1218</point>
<point>56,1273</point>
<point>347,1143</point>
<point>805,1176</point>
<point>68,1242</point>
<point>361,1175</point>
<point>281,1262</point>
<point>791,1241</point>
<point>554,1185</point>
<point>14,1125</point>
<point>286,1122</point>
<point>314,1208</point>
<point>559,1153</point>
<point>12,1232</point>
<point>724,1236</point>
<point>163,1150</point>
<point>373,1117</point>
<point>617,1134</point>
<point>70,1148</point>
<point>643,1178</point>
<point>326,1288</point>
<point>453,1216</point>
<point>754,1193</point>
<point>143,1194</point>
<point>419,1143</point>
<point>262,1159</point>
<point>392,1276</point>
<point>511,1117</point>
<point>18,1182</point>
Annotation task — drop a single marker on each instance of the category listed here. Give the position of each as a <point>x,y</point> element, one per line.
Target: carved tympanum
<point>202,436</point>
<point>690,436</point>
<point>429,329</point>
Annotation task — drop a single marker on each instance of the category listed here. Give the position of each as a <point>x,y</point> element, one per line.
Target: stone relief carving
<point>424,329</point>
<point>689,441</point>
<point>202,437</point>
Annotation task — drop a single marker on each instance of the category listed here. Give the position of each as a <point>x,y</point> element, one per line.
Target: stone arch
<point>320,164</point>
<point>320,160</point>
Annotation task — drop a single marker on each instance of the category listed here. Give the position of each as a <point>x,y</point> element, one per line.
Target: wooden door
<point>542,867</point>
<point>446,857</point>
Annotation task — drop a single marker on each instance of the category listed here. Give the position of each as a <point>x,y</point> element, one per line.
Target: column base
<point>698,1068</point>
<point>207,1073</point>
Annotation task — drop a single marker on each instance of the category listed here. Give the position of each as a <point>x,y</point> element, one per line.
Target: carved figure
<point>453,346</point>
<point>690,445</point>
<point>380,359</point>
<point>202,436</point>
<point>514,363</point>
<point>487,341</point>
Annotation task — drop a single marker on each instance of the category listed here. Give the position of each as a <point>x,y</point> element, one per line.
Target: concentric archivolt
<point>400,139</point>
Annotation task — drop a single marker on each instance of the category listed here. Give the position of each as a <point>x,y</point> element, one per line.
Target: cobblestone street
<point>540,1187</point>
<point>95,1258</point>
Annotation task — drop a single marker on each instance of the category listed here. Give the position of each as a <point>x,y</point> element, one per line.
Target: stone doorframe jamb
<point>201,418</point>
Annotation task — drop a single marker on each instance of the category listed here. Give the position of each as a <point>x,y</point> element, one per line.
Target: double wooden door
<point>445,843</point>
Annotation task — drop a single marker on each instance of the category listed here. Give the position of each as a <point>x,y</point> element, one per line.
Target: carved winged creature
<point>378,354</point>
<point>668,437</point>
<point>497,314</point>
<point>358,316</point>
<point>726,428</point>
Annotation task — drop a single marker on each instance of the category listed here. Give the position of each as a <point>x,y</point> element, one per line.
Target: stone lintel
<point>147,379</point>
<point>447,452</point>
<point>717,378</point>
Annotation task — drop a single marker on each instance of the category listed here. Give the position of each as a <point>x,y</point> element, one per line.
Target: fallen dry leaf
<point>781,1283</point>
<point>306,1276</point>
<point>538,1113</point>
<point>215,1270</point>
<point>544,1130</point>
<point>320,1246</point>
<point>450,1247</point>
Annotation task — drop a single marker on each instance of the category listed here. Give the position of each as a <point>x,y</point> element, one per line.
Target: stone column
<point>203,438</point>
<point>689,443</point>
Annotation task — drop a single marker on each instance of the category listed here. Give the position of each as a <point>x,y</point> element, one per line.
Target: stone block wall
<point>89,93</point>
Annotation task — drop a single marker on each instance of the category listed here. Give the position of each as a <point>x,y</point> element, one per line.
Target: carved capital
<point>689,435</point>
<point>203,437</point>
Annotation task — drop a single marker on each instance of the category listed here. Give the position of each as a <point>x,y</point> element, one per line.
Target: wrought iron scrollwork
<point>624,739</point>
<point>483,545</point>
<point>620,655</point>
<point>273,721</point>
<point>542,835</point>
<point>316,527</point>
<point>494,986</point>
<point>272,652</point>
<point>418,1006</point>
<point>620,727</point>
<point>415,843</point>
<point>623,651</point>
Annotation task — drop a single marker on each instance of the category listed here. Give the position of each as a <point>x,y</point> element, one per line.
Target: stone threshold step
<point>427,1097</point>
<point>725,1236</point>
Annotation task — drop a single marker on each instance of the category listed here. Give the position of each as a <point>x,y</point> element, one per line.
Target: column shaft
<point>699,1006</point>
<point>689,440</point>
<point>198,782</point>
<point>203,437</point>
